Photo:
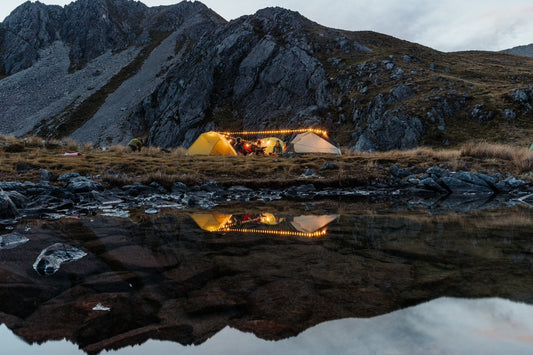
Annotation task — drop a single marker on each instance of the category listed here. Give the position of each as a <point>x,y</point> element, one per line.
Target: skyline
<point>449,25</point>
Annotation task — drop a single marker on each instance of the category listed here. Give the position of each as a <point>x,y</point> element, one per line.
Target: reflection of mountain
<point>490,326</point>
<point>165,278</point>
<point>265,223</point>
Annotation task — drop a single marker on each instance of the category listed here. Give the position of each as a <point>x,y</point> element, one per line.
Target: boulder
<point>7,207</point>
<point>51,258</point>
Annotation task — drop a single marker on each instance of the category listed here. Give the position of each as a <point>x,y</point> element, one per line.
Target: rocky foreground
<point>74,194</point>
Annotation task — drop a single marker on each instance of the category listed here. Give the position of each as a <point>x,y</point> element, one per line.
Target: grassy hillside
<point>459,80</point>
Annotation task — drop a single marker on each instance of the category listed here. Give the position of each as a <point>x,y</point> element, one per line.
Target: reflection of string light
<point>316,234</point>
<point>282,131</point>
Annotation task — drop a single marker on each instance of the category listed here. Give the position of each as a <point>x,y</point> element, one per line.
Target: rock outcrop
<point>86,66</point>
<point>257,72</point>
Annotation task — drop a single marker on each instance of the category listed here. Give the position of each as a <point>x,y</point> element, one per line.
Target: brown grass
<point>522,158</point>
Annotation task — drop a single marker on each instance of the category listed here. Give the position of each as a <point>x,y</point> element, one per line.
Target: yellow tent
<point>211,222</point>
<point>211,143</point>
<point>269,144</point>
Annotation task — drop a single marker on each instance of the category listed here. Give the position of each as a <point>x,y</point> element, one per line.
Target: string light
<point>322,132</point>
<point>316,234</point>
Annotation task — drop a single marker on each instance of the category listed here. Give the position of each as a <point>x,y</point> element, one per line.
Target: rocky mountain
<point>102,71</point>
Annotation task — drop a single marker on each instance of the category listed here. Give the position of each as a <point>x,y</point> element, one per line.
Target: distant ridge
<point>526,50</point>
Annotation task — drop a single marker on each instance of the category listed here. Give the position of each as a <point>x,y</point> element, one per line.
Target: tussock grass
<point>486,150</point>
<point>522,158</point>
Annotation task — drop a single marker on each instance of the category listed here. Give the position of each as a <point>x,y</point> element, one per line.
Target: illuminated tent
<point>309,142</point>
<point>310,223</point>
<point>269,144</point>
<point>211,222</point>
<point>211,143</point>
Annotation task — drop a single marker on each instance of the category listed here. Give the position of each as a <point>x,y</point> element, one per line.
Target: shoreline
<point>439,190</point>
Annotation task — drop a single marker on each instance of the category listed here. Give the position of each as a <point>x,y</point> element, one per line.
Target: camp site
<point>302,141</point>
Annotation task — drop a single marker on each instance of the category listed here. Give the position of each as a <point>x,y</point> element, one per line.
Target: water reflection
<point>441,326</point>
<point>171,276</point>
<point>307,226</point>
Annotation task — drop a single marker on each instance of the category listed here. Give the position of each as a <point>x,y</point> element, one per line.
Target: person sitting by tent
<point>257,149</point>
<point>241,148</point>
<point>277,149</point>
<point>136,144</point>
<point>238,145</point>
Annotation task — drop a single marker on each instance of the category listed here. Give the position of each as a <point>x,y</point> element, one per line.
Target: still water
<point>320,278</point>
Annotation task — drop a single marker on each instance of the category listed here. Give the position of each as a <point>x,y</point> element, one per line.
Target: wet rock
<point>328,166</point>
<point>83,184</point>
<point>399,172</point>
<point>514,182</point>
<point>68,177</point>
<point>7,207</point>
<point>151,211</point>
<point>51,258</point>
<point>160,189</point>
<point>457,185</point>
<point>210,186</point>
<point>240,189</point>
<point>18,199</point>
<point>437,172</point>
<point>12,240</point>
<point>430,184</point>
<point>179,187</point>
<point>475,179</point>
<point>11,186</point>
<point>309,172</point>
<point>45,175</point>
<point>137,189</point>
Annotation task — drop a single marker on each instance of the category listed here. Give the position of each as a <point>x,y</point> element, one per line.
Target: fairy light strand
<point>322,132</point>
<point>316,234</point>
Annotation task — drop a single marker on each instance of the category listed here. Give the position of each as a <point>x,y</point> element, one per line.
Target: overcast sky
<point>446,25</point>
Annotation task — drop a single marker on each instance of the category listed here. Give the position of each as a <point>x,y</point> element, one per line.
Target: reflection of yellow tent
<point>211,143</point>
<point>211,221</point>
<point>310,224</point>
<point>268,218</point>
<point>309,142</point>
<point>269,144</point>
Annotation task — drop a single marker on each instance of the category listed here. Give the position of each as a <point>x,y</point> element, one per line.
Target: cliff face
<point>85,67</point>
<point>102,71</point>
<point>256,72</point>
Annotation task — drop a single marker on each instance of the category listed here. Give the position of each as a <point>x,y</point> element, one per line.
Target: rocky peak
<point>88,27</point>
<point>277,18</point>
